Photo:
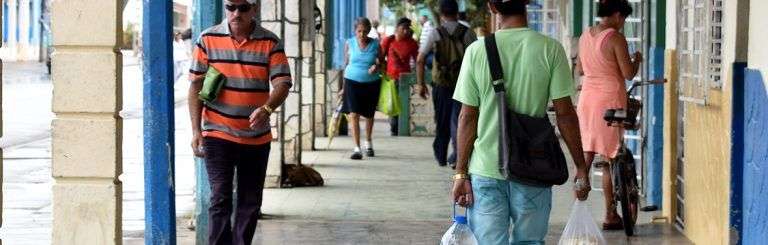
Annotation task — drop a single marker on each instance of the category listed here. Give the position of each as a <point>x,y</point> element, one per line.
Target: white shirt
<point>426,30</point>
<point>373,33</point>
<point>434,36</point>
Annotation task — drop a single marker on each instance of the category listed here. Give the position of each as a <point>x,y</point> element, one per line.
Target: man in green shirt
<point>536,71</point>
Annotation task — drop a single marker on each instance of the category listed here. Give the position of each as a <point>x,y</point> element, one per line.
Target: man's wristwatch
<point>268,109</point>
<point>459,176</point>
<point>580,184</point>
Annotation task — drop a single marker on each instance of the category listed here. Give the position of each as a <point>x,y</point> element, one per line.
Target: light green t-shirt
<point>535,71</point>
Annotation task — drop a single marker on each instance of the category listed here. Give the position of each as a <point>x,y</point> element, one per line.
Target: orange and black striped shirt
<point>249,67</point>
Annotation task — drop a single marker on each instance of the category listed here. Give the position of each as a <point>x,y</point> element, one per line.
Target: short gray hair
<point>364,22</point>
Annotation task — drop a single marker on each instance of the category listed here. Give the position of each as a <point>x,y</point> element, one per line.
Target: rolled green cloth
<point>212,84</point>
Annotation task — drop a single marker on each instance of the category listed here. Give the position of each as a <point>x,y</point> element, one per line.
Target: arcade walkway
<point>398,197</point>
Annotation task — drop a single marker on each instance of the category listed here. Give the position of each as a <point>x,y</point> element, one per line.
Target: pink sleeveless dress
<point>603,88</point>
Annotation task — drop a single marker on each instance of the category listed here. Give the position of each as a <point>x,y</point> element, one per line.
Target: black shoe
<point>649,208</point>
<point>441,164</point>
<point>453,165</point>
<point>356,156</point>
<point>369,152</point>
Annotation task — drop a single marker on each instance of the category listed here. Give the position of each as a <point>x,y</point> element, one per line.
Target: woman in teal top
<point>362,60</point>
<point>362,83</point>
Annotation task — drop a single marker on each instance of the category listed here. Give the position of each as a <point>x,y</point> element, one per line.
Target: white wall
<point>372,10</point>
<point>734,41</point>
<point>758,53</point>
<point>671,33</point>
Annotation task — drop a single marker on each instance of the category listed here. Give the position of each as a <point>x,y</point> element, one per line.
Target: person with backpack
<point>447,42</point>
<point>399,50</point>
<point>505,84</point>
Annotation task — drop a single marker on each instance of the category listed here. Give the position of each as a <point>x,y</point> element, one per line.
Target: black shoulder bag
<point>529,150</point>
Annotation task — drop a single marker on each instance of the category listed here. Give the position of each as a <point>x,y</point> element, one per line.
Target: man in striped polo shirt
<point>233,131</point>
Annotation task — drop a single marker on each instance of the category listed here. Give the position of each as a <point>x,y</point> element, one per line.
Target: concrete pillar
<point>12,25</point>
<point>87,129</point>
<point>23,44</point>
<point>320,76</point>
<point>372,10</point>
<point>306,74</point>
<point>1,125</point>
<point>35,41</point>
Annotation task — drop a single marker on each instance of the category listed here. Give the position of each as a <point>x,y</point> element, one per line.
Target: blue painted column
<point>737,149</point>
<point>342,18</point>
<point>207,13</point>
<point>654,121</point>
<point>754,158</point>
<point>34,26</point>
<point>655,126</point>
<point>160,208</point>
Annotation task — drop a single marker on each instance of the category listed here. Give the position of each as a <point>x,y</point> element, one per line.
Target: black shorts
<point>361,98</point>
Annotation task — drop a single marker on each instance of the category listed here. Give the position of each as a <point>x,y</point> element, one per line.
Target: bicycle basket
<point>633,109</point>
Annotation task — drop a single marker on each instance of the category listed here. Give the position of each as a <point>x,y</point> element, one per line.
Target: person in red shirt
<point>399,50</point>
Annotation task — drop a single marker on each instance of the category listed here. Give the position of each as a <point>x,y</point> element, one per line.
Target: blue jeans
<point>501,203</point>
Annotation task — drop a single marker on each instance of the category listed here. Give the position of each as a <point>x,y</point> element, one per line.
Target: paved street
<point>398,197</point>
<point>26,146</point>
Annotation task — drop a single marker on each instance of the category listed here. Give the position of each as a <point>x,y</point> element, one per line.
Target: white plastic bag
<point>581,228</point>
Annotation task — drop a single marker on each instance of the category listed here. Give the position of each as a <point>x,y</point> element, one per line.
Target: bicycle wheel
<point>627,190</point>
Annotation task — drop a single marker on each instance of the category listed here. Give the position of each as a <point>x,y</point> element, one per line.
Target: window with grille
<point>544,17</point>
<point>715,65</point>
<point>700,39</point>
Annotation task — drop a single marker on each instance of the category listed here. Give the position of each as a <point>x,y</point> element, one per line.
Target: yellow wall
<point>707,167</point>
<point>670,132</point>
<point>707,142</point>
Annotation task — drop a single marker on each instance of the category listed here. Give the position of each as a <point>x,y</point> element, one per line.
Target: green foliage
<point>477,12</point>
<point>128,36</point>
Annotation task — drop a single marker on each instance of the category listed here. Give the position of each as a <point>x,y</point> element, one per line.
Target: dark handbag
<point>529,150</point>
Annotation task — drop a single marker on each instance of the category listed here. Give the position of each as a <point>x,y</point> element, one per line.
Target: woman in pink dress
<point>605,62</point>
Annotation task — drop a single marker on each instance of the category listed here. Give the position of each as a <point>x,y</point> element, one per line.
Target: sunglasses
<point>240,7</point>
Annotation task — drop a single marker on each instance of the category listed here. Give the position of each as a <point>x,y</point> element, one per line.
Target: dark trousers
<point>221,159</point>
<point>446,120</point>
<point>394,121</point>
<point>393,126</point>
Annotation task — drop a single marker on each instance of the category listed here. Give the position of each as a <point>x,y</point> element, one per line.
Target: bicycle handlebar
<point>623,117</point>
<point>644,83</point>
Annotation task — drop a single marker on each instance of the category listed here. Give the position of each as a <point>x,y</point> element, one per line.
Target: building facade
<point>25,28</point>
<point>703,149</point>
<point>704,146</point>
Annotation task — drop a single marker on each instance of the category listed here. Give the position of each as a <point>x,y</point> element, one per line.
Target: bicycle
<point>623,168</point>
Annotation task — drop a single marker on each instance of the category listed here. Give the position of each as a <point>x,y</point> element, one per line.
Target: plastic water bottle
<point>459,233</point>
